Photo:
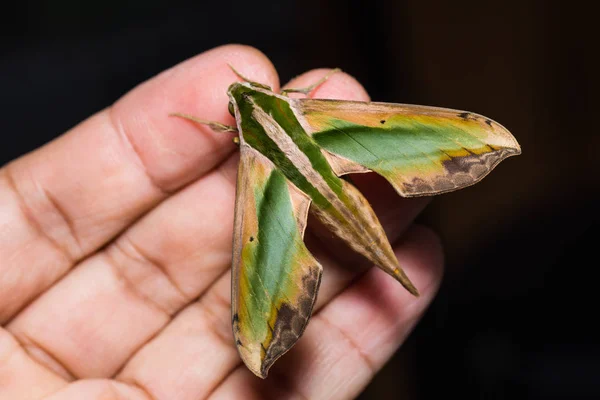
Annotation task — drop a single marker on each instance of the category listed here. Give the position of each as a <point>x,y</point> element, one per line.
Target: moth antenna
<point>312,87</point>
<point>242,77</point>
<point>239,75</point>
<point>216,126</point>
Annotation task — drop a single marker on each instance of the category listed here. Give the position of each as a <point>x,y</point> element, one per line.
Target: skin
<point>115,255</point>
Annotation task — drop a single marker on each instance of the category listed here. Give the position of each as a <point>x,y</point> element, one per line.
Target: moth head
<point>241,92</point>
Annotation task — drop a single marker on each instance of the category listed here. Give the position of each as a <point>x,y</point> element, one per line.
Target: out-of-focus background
<point>515,317</point>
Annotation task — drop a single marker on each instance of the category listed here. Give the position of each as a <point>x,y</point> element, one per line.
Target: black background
<point>515,317</point>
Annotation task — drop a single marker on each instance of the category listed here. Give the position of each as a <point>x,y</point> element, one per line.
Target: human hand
<point>115,252</point>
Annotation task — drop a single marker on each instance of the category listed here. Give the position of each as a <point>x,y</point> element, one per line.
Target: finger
<point>116,300</point>
<point>65,200</point>
<point>18,371</point>
<point>338,86</point>
<point>353,336</point>
<point>98,389</point>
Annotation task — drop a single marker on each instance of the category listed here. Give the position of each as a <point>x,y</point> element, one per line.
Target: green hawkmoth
<point>292,155</point>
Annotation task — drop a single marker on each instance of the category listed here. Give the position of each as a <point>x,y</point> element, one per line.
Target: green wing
<point>275,278</point>
<point>420,150</point>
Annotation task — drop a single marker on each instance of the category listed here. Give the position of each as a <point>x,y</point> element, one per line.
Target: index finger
<point>65,200</point>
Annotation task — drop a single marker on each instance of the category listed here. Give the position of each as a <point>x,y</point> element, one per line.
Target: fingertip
<point>340,85</point>
<point>199,84</point>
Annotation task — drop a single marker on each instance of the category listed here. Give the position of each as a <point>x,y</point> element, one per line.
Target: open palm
<point>115,251</point>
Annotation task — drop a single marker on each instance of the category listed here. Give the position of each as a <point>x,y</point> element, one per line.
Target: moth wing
<point>420,150</point>
<point>275,279</point>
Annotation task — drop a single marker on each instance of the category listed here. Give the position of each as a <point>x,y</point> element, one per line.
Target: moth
<point>293,154</point>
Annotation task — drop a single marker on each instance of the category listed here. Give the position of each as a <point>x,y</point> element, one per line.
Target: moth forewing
<point>275,279</point>
<point>420,150</point>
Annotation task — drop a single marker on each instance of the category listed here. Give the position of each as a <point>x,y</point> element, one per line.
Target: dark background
<point>516,314</point>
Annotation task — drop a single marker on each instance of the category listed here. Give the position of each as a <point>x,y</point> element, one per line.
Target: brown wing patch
<point>460,172</point>
<point>291,321</point>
